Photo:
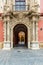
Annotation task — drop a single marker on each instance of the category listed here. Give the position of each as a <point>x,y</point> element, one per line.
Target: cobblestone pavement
<point>21,57</point>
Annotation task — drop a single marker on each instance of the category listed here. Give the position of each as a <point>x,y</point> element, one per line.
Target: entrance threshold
<point>20,47</point>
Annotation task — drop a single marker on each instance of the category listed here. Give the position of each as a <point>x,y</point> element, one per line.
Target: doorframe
<point>28,28</point>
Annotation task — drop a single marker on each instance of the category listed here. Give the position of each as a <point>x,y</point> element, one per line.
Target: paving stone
<point>19,56</point>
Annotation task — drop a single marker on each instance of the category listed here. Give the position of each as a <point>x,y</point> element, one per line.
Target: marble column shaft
<point>8,31</point>
<point>34,31</point>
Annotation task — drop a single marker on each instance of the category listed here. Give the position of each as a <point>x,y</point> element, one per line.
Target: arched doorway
<point>20,36</point>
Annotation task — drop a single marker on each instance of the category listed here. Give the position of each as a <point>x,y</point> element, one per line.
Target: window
<point>20,0</point>
<point>20,5</point>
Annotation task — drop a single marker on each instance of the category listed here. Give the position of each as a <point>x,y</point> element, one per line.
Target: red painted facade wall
<point>41,6</point>
<point>40,30</point>
<point>1,31</point>
<point>40,24</point>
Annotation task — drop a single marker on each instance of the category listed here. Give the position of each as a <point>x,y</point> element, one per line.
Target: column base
<point>28,45</point>
<point>34,45</point>
<point>1,45</point>
<point>41,44</point>
<point>7,45</point>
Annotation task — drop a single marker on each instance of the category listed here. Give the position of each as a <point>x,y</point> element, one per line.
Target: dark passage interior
<point>20,36</point>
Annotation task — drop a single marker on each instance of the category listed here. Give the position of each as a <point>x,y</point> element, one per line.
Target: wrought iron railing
<point>20,7</point>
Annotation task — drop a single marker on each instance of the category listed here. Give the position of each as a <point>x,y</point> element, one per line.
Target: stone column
<point>28,37</point>
<point>35,44</point>
<point>11,37</point>
<point>37,35</point>
<point>34,31</point>
<point>5,33</point>
<point>8,32</point>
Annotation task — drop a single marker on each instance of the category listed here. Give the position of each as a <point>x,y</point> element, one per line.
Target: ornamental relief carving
<point>20,16</point>
<point>15,22</point>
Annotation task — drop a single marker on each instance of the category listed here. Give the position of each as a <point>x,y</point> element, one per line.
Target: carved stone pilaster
<point>6,32</point>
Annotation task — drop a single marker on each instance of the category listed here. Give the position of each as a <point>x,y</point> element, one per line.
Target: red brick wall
<point>1,31</point>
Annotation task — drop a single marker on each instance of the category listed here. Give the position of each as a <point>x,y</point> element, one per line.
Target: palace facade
<point>21,24</point>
